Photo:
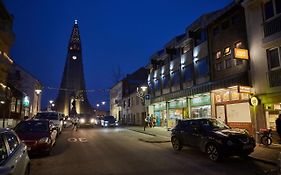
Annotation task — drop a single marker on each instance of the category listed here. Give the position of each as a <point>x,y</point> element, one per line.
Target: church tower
<point>72,97</point>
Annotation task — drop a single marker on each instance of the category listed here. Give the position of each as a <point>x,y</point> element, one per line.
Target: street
<point>121,151</point>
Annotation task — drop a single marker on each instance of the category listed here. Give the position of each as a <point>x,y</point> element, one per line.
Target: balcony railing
<point>274,78</point>
<point>272,26</point>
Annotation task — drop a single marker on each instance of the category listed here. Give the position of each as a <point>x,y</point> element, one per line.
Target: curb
<point>143,132</point>
<point>264,161</point>
<point>154,141</point>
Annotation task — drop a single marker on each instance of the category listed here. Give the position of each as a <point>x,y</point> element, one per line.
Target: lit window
<point>218,54</point>
<point>238,45</point>
<point>227,51</point>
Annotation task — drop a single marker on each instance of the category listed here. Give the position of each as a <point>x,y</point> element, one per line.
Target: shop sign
<point>160,107</point>
<point>241,53</point>
<point>244,89</point>
<point>254,101</point>
<point>200,101</point>
<point>177,104</point>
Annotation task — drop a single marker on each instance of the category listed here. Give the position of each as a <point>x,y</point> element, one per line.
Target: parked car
<point>213,137</point>
<point>14,159</point>
<point>38,134</point>
<point>107,121</point>
<point>55,117</point>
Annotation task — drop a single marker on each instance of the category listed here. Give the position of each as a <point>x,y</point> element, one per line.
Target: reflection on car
<point>107,121</point>
<point>14,159</point>
<point>38,134</point>
<point>55,117</point>
<point>213,137</point>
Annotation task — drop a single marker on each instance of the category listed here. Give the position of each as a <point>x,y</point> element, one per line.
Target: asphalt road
<point>95,151</point>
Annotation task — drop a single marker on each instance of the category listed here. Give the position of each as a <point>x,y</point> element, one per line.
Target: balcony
<point>274,78</point>
<point>272,26</point>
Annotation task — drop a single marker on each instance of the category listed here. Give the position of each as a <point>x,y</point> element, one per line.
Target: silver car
<point>14,159</point>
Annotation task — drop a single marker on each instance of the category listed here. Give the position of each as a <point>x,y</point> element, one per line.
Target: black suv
<point>213,137</point>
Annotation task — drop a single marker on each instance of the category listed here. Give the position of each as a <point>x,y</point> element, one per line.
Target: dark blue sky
<point>114,33</point>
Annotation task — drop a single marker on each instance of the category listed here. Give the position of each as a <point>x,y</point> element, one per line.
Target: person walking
<point>146,122</point>
<point>278,126</point>
<point>75,123</point>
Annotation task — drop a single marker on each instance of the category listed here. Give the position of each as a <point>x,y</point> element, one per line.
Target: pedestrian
<point>278,126</point>
<point>146,121</point>
<point>75,123</point>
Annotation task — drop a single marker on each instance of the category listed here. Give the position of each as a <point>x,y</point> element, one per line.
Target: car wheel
<point>27,170</point>
<point>213,152</point>
<point>176,144</point>
<point>265,140</point>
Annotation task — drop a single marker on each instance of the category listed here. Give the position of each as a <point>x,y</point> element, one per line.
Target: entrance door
<point>220,113</point>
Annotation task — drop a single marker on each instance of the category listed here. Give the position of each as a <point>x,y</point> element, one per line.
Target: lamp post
<point>37,91</point>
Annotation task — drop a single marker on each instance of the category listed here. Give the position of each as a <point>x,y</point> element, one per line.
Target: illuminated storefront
<point>201,106</point>
<point>177,110</point>
<point>232,106</point>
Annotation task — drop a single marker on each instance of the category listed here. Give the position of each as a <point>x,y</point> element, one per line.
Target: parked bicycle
<point>265,136</point>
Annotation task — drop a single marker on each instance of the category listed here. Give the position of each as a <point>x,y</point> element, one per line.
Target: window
<point>166,80</point>
<point>137,101</point>
<point>220,66</point>
<point>158,84</point>
<point>218,54</point>
<point>3,150</point>
<point>175,78</point>
<point>187,74</point>
<point>271,8</point>
<point>129,102</point>
<point>227,51</point>
<point>228,63</point>
<point>273,58</point>
<point>202,67</point>
<point>12,141</point>
<point>13,104</point>
<point>186,48</point>
<point>225,25</point>
<point>124,103</point>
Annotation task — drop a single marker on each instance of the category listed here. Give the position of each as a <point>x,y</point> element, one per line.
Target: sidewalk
<point>262,153</point>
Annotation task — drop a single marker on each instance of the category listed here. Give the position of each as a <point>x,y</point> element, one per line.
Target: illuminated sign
<point>26,101</point>
<point>241,54</point>
<point>254,101</point>
<point>244,89</point>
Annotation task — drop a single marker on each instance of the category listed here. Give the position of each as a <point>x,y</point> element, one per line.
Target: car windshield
<point>215,124</point>
<point>49,116</point>
<point>108,118</point>
<point>32,126</point>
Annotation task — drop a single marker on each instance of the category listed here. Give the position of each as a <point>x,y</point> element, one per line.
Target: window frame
<point>268,58</point>
<point>274,10</point>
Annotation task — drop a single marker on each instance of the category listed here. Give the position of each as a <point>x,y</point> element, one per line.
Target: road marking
<point>82,139</point>
<point>72,139</point>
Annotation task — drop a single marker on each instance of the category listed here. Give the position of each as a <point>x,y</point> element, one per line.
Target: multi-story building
<point>263,19</point>
<point>19,91</point>
<point>116,100</point>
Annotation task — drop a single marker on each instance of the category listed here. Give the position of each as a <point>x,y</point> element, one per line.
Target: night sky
<point>114,33</point>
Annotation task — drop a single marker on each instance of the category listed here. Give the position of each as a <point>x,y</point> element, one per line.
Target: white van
<point>55,117</point>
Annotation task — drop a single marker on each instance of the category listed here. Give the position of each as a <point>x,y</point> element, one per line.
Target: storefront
<point>272,112</point>
<point>160,113</point>
<point>232,107</point>
<point>200,106</point>
<point>177,110</point>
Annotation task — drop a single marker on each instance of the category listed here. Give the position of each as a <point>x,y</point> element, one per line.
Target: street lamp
<point>37,91</point>
<point>103,103</point>
<point>98,105</point>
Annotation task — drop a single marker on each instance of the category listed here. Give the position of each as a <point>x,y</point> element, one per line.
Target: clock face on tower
<point>74,57</point>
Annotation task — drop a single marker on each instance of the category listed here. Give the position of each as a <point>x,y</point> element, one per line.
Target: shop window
<point>187,74</point>
<point>202,67</point>
<point>273,58</point>
<point>234,95</point>
<point>228,63</point>
<point>13,104</point>
<point>218,54</point>
<point>226,96</point>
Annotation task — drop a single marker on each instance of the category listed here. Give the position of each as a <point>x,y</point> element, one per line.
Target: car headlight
<point>45,140</point>
<point>82,120</point>
<point>92,120</point>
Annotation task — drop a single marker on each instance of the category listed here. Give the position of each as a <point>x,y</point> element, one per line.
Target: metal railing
<point>272,26</point>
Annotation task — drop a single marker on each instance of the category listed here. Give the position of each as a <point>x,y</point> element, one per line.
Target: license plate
<point>247,146</point>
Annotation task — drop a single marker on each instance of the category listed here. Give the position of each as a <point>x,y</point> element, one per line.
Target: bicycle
<point>265,136</point>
